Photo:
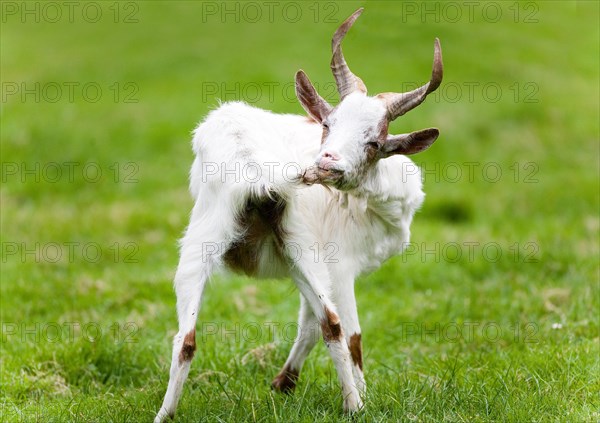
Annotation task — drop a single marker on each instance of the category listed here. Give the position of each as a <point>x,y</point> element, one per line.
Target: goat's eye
<point>325,125</point>
<point>373,145</point>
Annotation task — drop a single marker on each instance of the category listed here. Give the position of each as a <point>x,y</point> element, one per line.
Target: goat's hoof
<point>352,404</point>
<point>285,381</point>
<point>163,415</point>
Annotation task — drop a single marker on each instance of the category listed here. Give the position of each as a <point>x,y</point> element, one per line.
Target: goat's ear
<point>311,101</point>
<point>412,143</point>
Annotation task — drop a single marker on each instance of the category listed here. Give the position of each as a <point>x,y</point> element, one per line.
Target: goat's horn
<point>400,103</point>
<point>345,80</point>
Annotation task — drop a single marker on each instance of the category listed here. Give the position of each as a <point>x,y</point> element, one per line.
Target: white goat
<point>263,205</point>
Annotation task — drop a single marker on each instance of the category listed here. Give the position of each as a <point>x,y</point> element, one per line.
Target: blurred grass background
<point>172,61</point>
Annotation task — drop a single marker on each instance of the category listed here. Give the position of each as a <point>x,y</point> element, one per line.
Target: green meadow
<point>491,315</point>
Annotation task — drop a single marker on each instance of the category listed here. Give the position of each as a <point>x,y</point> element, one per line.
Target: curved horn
<point>345,80</point>
<point>400,103</point>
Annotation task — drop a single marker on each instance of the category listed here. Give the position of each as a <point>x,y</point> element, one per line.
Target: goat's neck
<point>379,197</point>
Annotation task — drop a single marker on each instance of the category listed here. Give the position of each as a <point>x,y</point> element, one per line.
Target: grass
<point>87,337</point>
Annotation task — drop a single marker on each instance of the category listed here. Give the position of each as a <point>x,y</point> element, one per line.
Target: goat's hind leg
<point>201,250</point>
<point>308,336</point>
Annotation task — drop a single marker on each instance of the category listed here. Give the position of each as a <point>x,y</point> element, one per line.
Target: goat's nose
<point>331,156</point>
<point>327,160</point>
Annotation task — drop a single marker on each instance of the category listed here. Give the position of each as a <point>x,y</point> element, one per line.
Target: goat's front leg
<point>312,280</point>
<point>346,302</point>
<point>307,337</point>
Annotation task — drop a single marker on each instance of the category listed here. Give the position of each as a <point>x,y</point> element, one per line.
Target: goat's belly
<point>262,259</point>
<point>257,251</point>
<point>271,263</point>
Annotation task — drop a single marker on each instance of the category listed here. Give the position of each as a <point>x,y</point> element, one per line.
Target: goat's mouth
<point>330,172</point>
<point>318,175</point>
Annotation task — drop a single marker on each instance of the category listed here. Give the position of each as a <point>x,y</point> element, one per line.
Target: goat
<point>359,196</point>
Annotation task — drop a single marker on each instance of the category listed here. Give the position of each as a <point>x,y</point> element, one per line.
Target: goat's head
<point>355,132</point>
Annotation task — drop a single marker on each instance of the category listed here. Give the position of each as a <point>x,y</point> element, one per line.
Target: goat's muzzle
<point>317,175</point>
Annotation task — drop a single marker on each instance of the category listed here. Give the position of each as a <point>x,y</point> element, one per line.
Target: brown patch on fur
<point>286,380</point>
<point>355,347</point>
<point>260,221</point>
<point>382,133</point>
<point>331,327</point>
<point>372,154</point>
<point>324,135</point>
<point>382,130</point>
<point>189,347</point>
